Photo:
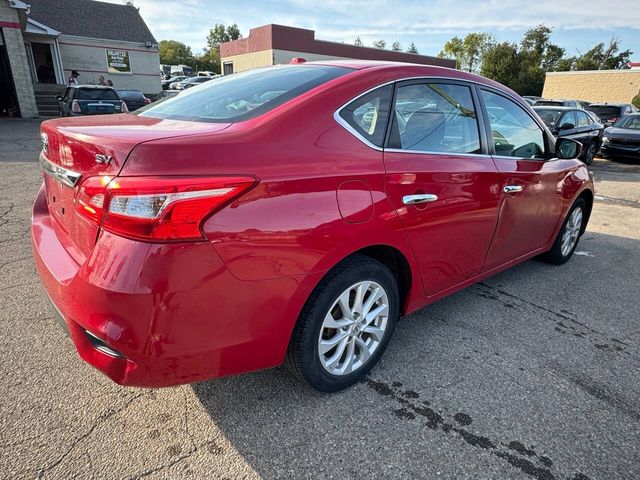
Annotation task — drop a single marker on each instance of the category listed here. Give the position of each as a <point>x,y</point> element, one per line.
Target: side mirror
<point>59,98</point>
<point>567,149</point>
<point>567,126</point>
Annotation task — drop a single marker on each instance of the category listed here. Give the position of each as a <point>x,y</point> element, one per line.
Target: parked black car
<point>90,100</point>
<point>574,123</point>
<point>561,103</point>
<point>610,113</point>
<point>622,140</point>
<point>133,98</point>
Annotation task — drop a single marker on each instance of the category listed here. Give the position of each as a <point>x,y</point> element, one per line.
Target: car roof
<point>561,108</point>
<point>605,104</point>
<point>95,87</point>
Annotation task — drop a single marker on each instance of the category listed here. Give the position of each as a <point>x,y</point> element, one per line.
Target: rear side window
<point>435,117</point>
<point>96,94</point>
<point>244,95</point>
<point>368,114</point>
<point>514,132</point>
<point>569,117</point>
<point>583,119</point>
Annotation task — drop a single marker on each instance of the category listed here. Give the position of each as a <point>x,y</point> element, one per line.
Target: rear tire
<point>568,236</point>
<point>346,324</point>
<point>590,153</point>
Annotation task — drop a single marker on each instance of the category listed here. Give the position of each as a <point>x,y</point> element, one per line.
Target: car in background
<point>610,113</point>
<point>166,84</point>
<point>165,71</point>
<point>191,82</point>
<point>220,239</point>
<point>206,73</point>
<point>561,103</point>
<point>133,98</point>
<point>90,100</point>
<point>530,101</point>
<point>185,70</point>
<point>622,140</point>
<point>574,123</point>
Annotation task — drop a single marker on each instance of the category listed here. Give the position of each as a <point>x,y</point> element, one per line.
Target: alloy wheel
<point>571,232</point>
<point>353,328</point>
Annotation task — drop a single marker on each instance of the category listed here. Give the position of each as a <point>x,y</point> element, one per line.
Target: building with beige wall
<point>613,86</point>
<point>278,44</point>
<point>42,41</point>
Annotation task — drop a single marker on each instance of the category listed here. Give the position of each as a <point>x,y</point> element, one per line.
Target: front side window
<point>435,117</point>
<point>244,95</point>
<point>368,114</point>
<point>514,132</point>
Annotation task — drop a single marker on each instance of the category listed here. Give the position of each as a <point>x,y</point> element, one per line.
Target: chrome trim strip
<point>428,152</point>
<point>64,175</point>
<point>355,133</point>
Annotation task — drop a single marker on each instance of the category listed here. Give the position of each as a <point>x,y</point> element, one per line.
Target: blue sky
<point>578,24</point>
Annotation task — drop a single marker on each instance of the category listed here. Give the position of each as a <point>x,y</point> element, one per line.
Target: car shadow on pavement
<point>517,376</point>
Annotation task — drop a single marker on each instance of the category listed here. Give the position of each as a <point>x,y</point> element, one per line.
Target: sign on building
<point>118,61</point>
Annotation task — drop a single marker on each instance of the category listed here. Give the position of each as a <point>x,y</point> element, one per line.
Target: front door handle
<point>421,198</point>
<point>512,188</point>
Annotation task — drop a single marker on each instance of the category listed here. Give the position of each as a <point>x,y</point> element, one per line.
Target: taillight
<point>124,108</point>
<point>75,107</point>
<point>158,209</point>
<point>146,101</point>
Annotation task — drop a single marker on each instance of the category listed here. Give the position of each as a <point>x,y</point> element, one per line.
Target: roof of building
<point>280,37</point>
<point>92,19</point>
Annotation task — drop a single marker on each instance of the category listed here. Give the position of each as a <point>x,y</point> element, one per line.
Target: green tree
<point>412,49</point>
<point>604,58</point>
<point>379,44</point>
<point>467,52</point>
<point>221,34</point>
<point>396,47</point>
<point>636,100</point>
<point>173,52</point>
<point>503,63</point>
<point>358,42</point>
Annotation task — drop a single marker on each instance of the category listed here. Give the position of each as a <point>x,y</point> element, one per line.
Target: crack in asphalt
<point>173,461</point>
<point>513,452</point>
<point>104,416</point>
<point>565,321</point>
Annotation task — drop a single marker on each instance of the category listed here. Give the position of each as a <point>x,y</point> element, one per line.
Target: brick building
<point>613,86</point>
<point>42,41</point>
<point>278,44</point>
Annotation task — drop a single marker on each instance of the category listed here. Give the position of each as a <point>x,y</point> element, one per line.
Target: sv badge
<point>106,159</point>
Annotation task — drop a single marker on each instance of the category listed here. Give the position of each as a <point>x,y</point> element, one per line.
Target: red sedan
<point>292,213</point>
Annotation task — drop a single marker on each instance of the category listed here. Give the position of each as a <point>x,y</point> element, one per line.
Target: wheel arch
<point>587,196</point>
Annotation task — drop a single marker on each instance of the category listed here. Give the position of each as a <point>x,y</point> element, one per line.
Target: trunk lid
<point>81,147</point>
<point>99,107</point>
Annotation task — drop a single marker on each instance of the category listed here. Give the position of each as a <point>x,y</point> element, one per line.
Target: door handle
<point>512,188</point>
<point>417,199</point>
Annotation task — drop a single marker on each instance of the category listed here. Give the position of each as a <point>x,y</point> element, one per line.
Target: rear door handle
<point>512,188</point>
<point>416,199</point>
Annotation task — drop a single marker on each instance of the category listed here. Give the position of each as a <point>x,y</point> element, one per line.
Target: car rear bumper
<point>156,315</point>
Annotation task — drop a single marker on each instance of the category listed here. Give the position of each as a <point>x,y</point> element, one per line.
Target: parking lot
<point>533,374</point>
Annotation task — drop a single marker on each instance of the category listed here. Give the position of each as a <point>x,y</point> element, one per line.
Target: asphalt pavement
<point>532,374</point>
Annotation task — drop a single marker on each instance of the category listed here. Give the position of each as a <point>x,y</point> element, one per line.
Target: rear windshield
<point>96,94</point>
<point>245,95</point>
<point>130,94</point>
<point>629,121</point>
<point>549,117</point>
<point>605,111</point>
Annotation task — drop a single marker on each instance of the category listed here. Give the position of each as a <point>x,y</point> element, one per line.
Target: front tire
<point>568,236</point>
<point>345,325</point>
